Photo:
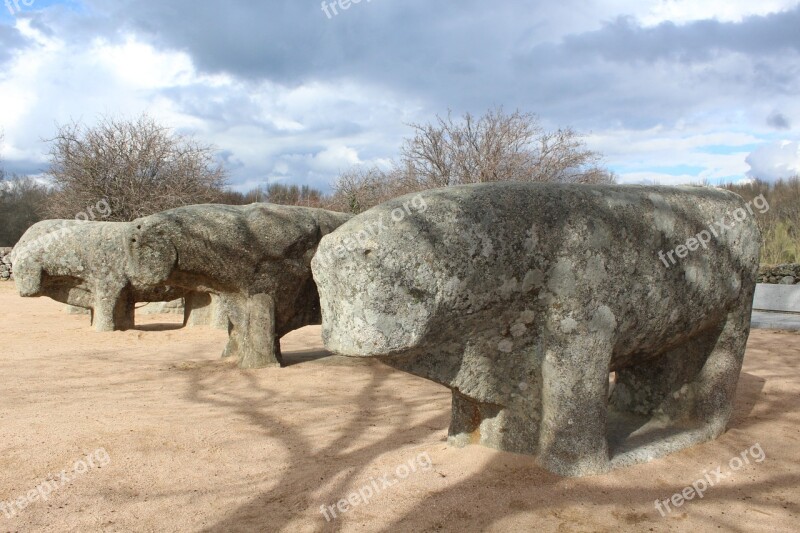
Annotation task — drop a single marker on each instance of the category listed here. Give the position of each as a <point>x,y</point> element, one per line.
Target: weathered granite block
<point>5,264</point>
<point>204,309</point>
<point>523,298</point>
<point>172,307</point>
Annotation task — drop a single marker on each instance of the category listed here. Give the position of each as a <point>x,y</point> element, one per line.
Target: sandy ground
<point>179,440</point>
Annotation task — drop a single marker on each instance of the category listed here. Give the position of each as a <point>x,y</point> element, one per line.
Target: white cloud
<point>657,178</point>
<point>302,98</point>
<point>336,159</point>
<point>140,66</point>
<point>662,154</point>
<point>681,11</point>
<point>774,161</point>
<point>301,134</point>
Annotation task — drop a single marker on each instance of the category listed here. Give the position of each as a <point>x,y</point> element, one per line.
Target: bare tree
<point>498,147</point>
<point>138,166</point>
<point>304,195</point>
<point>360,188</point>
<point>276,193</point>
<point>494,147</point>
<point>21,203</point>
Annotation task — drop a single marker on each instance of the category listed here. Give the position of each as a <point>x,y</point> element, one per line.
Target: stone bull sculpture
<point>248,265</point>
<point>258,257</point>
<point>523,298</point>
<point>61,264</point>
<point>82,264</point>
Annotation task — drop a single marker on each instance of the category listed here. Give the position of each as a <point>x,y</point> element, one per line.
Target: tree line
<point>141,167</point>
<point>780,225</point>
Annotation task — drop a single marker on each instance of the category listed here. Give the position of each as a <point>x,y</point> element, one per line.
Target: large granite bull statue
<point>523,298</point>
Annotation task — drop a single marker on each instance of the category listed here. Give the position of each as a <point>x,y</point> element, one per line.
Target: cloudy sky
<point>671,91</point>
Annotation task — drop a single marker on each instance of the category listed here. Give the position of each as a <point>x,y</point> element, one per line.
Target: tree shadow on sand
<point>511,485</point>
<point>506,486</point>
<point>336,464</point>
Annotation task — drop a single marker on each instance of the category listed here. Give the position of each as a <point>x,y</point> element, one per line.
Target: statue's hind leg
<point>686,395</point>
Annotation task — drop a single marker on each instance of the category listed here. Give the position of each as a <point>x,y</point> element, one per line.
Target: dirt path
<point>179,440</point>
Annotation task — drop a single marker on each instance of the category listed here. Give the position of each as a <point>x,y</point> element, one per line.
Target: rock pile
<point>781,274</point>
<point>5,264</point>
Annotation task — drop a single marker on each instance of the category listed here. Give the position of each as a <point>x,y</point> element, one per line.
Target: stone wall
<point>782,274</point>
<point>5,265</point>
